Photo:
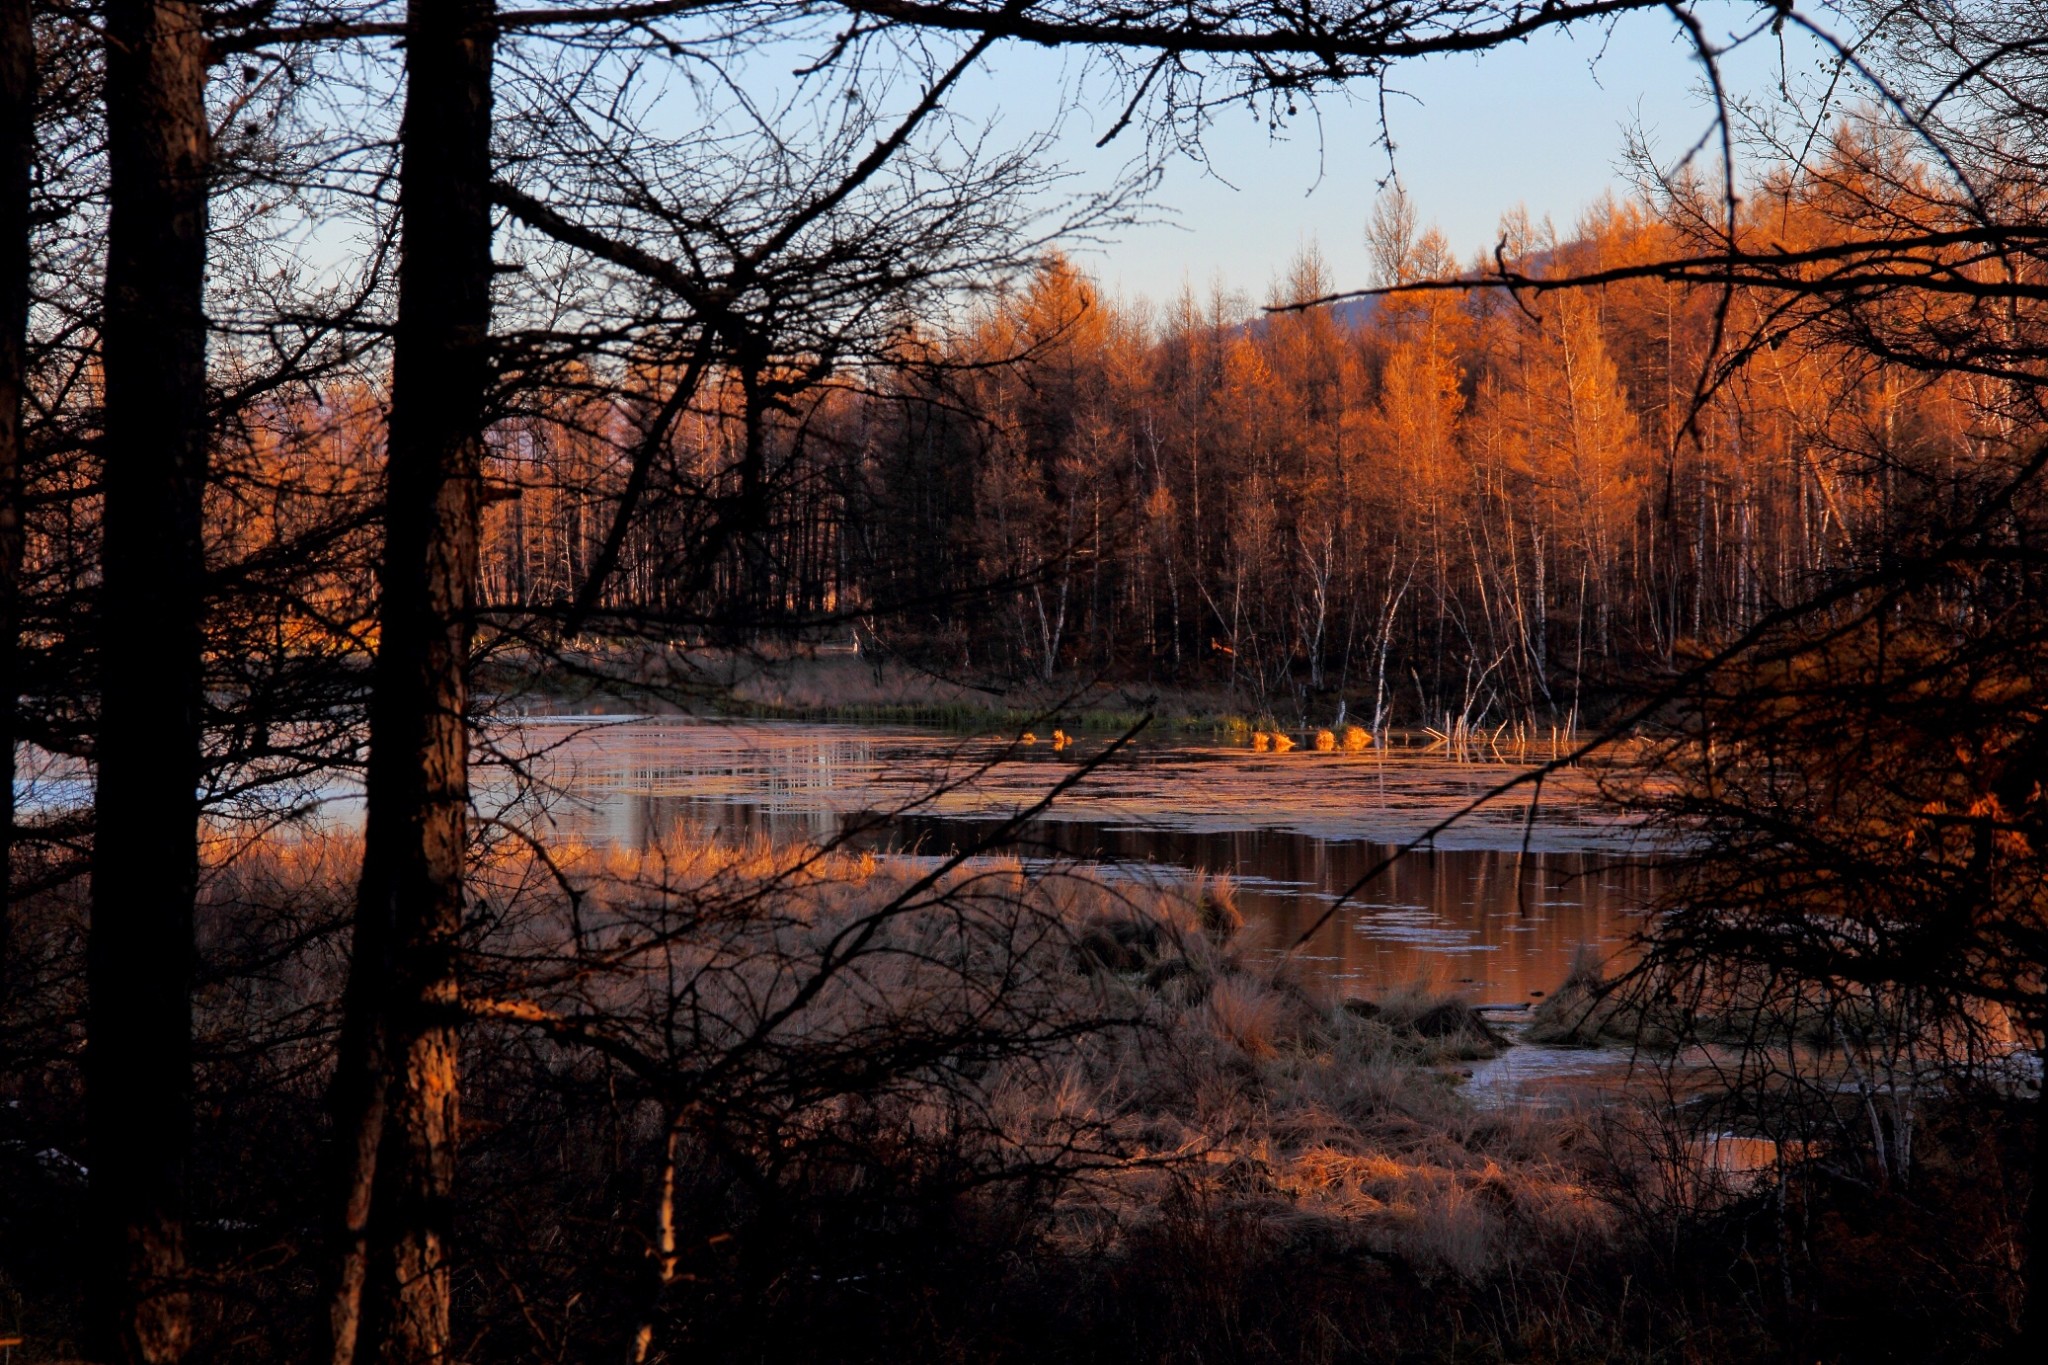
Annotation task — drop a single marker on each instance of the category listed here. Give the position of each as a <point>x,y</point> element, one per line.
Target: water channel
<point>1474,912</point>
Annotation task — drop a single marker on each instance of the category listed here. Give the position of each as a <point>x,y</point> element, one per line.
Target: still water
<point>1474,912</point>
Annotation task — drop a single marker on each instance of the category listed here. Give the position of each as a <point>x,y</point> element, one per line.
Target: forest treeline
<point>1441,509</point>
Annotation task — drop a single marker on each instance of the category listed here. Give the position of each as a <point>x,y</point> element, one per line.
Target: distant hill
<point>1351,313</point>
<point>1355,312</point>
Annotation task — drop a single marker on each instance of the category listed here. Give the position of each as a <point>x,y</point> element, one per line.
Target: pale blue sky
<point>1538,124</point>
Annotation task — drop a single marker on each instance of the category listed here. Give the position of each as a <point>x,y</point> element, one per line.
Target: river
<point>1475,912</point>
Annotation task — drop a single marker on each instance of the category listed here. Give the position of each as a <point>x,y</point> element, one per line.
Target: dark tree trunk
<point>17,157</point>
<point>396,1090</point>
<point>139,959</point>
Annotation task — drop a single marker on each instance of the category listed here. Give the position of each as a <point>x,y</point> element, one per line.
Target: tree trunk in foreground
<point>145,864</point>
<point>395,1102</point>
<point>17,158</point>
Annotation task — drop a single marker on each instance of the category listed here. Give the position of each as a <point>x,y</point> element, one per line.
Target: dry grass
<point>1038,1114</point>
<point>1319,1124</point>
<point>1224,1073</point>
<point>1587,1011</point>
<point>1179,1108</point>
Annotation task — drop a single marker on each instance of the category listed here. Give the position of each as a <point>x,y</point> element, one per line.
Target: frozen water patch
<point>1543,1074</point>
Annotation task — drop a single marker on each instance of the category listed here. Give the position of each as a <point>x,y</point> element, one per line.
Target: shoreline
<point>836,685</point>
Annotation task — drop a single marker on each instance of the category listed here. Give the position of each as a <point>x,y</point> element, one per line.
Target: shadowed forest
<point>390,387</point>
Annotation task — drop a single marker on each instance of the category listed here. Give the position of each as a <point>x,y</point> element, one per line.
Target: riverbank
<point>843,686</point>
<point>837,683</point>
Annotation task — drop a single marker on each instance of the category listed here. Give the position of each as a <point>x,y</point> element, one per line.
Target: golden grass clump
<point>1282,743</point>
<point>1248,1017</point>
<point>1326,741</point>
<point>1590,1011</point>
<point>1261,741</point>
<point>1356,739</point>
<point>1442,1027</point>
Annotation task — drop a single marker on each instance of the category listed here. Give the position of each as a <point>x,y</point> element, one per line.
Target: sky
<point>1539,124</point>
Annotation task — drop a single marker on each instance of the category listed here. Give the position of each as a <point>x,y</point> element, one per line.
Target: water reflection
<point>1291,831</point>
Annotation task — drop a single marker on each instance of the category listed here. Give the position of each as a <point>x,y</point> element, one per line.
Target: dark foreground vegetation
<point>1030,1114</point>
<point>362,363</point>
